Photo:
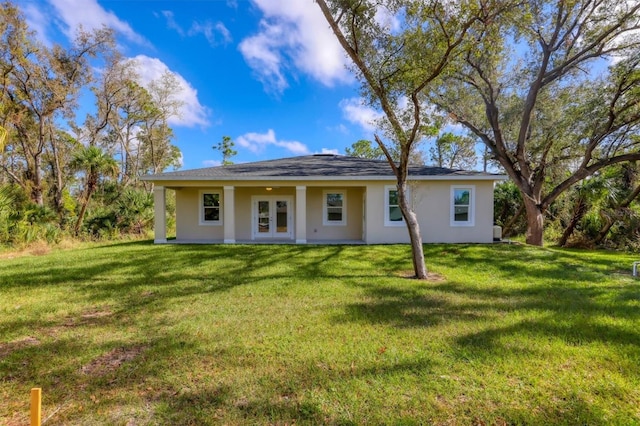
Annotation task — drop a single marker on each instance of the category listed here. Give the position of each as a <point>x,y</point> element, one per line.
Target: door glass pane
<point>281,216</point>
<point>263,216</point>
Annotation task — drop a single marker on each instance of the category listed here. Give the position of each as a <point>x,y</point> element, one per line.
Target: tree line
<point>63,173</point>
<point>550,89</point>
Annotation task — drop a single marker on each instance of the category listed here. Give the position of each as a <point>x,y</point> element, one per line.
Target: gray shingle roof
<point>311,166</point>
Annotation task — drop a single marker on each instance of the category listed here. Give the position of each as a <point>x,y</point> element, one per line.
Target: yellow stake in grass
<point>36,404</point>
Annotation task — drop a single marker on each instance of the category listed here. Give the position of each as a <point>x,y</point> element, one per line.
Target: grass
<point>134,333</point>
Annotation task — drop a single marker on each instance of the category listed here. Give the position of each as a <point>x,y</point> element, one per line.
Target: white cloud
<point>211,163</point>
<point>171,22</point>
<point>355,111</point>
<point>340,128</point>
<point>293,34</point>
<point>215,33</point>
<point>257,142</point>
<point>37,21</point>
<point>329,151</point>
<point>89,15</point>
<point>211,31</point>
<point>387,20</point>
<point>192,113</point>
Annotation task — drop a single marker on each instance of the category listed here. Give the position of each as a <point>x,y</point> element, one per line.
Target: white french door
<point>272,217</point>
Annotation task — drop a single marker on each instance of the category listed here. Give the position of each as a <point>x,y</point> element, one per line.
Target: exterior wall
<point>435,222</point>
<point>317,231</point>
<point>376,231</point>
<point>432,203</point>
<point>431,200</point>
<point>188,226</point>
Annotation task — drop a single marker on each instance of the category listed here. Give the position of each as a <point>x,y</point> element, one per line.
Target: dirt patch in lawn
<point>88,317</point>
<point>112,360</point>
<point>7,348</point>
<point>431,276</point>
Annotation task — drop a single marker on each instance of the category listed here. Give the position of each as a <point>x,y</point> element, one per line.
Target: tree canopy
<point>553,90</point>
<point>43,139</point>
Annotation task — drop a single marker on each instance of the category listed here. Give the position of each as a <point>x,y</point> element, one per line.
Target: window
<point>392,213</point>
<point>210,208</point>
<point>462,200</point>
<point>335,208</point>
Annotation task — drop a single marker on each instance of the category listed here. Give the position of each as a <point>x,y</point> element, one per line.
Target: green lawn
<point>140,334</point>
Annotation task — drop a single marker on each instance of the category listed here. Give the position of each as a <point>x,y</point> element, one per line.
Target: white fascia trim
<point>318,178</point>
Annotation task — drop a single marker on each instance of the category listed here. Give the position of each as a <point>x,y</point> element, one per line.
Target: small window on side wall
<point>335,208</point>
<point>462,205</point>
<point>392,212</point>
<point>210,208</point>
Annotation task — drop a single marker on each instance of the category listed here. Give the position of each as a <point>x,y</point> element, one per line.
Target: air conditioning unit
<point>497,233</point>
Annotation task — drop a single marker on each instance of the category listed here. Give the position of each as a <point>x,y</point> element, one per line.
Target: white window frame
<point>387,218</point>
<point>201,207</point>
<point>472,209</point>
<point>325,208</point>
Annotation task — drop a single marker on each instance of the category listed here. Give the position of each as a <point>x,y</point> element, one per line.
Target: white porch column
<point>373,213</point>
<point>301,214</point>
<point>229,218</point>
<point>160,214</point>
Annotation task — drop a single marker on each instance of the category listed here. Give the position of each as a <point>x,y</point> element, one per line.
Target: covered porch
<point>272,213</point>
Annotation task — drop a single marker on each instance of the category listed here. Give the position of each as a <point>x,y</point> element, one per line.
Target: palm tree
<point>95,163</point>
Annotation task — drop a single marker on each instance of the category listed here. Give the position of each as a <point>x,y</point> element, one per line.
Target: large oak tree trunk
<point>535,222</point>
<point>417,251</point>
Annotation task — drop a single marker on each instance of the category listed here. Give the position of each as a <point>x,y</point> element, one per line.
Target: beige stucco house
<point>323,198</point>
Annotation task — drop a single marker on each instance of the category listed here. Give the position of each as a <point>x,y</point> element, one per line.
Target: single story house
<point>323,198</point>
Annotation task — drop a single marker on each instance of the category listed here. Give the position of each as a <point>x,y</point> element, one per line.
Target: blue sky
<point>267,73</point>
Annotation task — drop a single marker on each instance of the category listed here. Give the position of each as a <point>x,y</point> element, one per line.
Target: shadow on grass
<point>130,281</point>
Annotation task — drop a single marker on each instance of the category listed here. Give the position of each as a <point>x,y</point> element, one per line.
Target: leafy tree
<point>131,121</point>
<point>95,164</point>
<point>397,60</point>
<point>508,208</point>
<point>454,151</point>
<point>56,158</point>
<point>226,149</point>
<point>156,153</point>
<point>134,210</point>
<point>364,149</point>
<point>7,206</point>
<point>583,197</point>
<point>552,89</point>
<point>40,85</point>
<point>620,210</point>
